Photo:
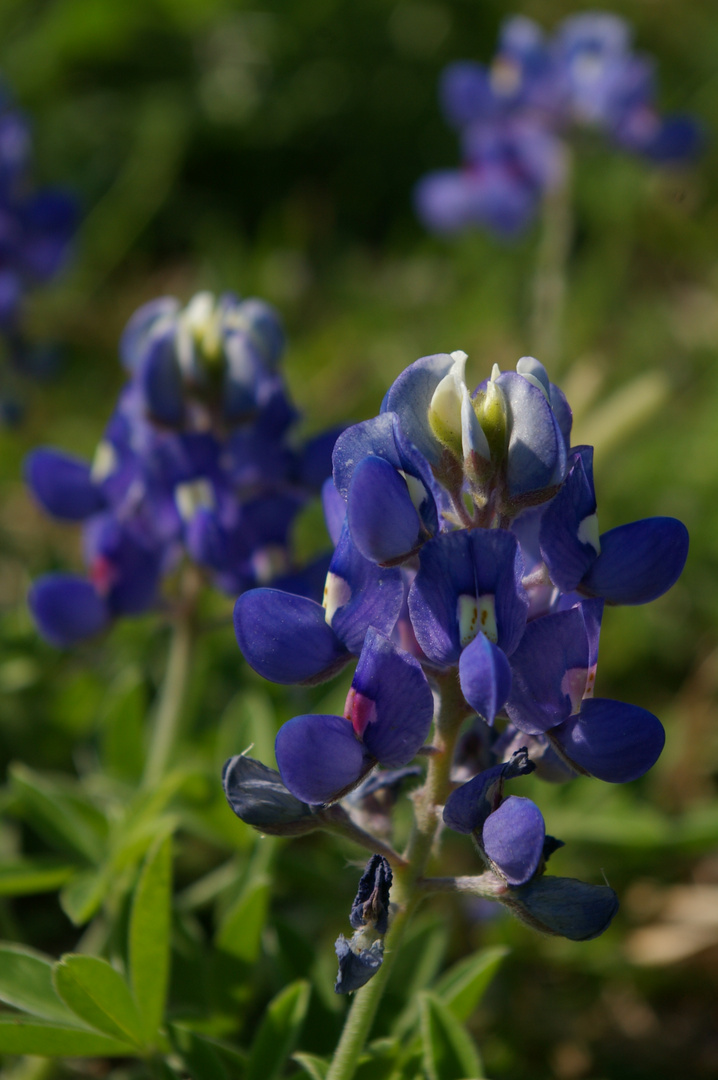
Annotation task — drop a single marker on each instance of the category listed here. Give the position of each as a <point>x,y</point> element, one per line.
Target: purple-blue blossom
<point>515,116</point>
<point>198,461</point>
<point>468,563</point>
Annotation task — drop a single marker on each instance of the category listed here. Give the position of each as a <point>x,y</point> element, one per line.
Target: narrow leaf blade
<point>150,926</point>
<point>278,1032</point>
<point>462,987</point>
<point>19,1035</point>
<point>98,995</point>
<point>449,1050</point>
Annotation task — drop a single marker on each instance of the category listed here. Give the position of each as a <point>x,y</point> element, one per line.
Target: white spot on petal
<point>588,532</point>
<point>337,593</point>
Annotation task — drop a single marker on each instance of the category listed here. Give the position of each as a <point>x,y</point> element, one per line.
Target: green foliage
<point>272,149</point>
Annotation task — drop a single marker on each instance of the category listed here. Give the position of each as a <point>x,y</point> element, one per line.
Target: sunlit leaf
<point>149,937</point>
<point>278,1032</point>
<point>98,995</point>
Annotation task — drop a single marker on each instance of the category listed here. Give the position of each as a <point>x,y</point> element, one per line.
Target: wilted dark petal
<point>285,638</point>
<point>375,595</point>
<point>485,677</point>
<point>513,838</point>
<point>66,609</point>
<point>611,740</point>
<point>258,797</point>
<point>371,904</point>
<point>537,452</point>
<point>551,646</point>
<point>356,968</point>
<point>566,551</point>
<point>563,906</point>
<point>62,484</point>
<point>382,518</point>
<point>468,806</point>
<point>319,757</point>
<point>395,682</point>
<point>638,562</point>
<point>410,397</point>
<point>160,379</point>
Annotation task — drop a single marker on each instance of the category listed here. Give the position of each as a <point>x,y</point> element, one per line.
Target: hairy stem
<point>407,890</point>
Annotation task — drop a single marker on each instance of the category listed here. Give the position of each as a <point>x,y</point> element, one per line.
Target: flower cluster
<point>469,562</point>
<point>513,116</point>
<point>35,226</point>
<point>195,461</point>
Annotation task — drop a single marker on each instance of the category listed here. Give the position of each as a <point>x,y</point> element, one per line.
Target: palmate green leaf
<point>462,987</point>
<point>278,1032</point>
<point>149,937</point>
<point>24,877</point>
<point>20,1035</point>
<point>98,995</point>
<point>314,1066</point>
<point>449,1050</point>
<point>26,983</point>
<point>83,895</point>
<point>240,932</point>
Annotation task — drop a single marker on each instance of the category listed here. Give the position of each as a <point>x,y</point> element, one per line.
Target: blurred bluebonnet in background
<point>197,460</point>
<point>36,228</point>
<point>515,118</point>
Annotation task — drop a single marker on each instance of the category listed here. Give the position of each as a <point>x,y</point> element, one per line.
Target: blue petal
<point>513,839</point>
<point>382,519</point>
<point>568,557</point>
<point>468,806</point>
<point>551,646</point>
<point>485,677</point>
<point>611,740</point>
<point>375,436</point>
<point>160,379</point>
<point>638,562</point>
<point>319,757</point>
<point>396,684</point>
<point>473,562</point>
<point>376,595</point>
<point>410,397</point>
<point>285,638</point>
<point>244,373</point>
<point>335,510</point>
<point>135,335</point>
<point>259,798</point>
<point>537,452</point>
<point>66,609</point>
<point>63,485</point>
<point>565,907</point>
<point>465,92</point>
<point>262,321</point>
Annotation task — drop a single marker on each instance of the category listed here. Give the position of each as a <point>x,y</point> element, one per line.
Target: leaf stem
<point>174,691</point>
<point>549,290</point>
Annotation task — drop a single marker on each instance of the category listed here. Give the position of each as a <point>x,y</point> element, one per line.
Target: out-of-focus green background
<point>271,148</point>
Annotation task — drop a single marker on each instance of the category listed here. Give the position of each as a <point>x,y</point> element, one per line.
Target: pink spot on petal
<point>360,710</point>
<point>103,574</point>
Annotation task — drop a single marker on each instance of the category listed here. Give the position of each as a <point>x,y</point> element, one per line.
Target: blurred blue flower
<point>198,461</point>
<point>515,115</point>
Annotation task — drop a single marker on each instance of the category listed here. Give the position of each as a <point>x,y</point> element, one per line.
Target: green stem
<point>366,1001</point>
<point>551,262</point>
<point>407,889</point>
<point>172,697</point>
